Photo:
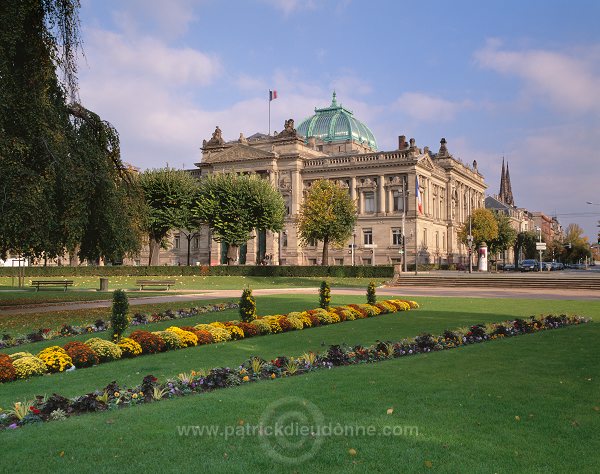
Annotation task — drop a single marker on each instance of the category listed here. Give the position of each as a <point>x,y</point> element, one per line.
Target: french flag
<point>272,95</point>
<point>419,200</point>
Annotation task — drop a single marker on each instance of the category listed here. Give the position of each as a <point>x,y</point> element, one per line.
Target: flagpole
<point>269,112</point>
<point>416,226</point>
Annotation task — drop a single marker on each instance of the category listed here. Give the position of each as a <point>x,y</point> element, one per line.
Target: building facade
<point>333,144</point>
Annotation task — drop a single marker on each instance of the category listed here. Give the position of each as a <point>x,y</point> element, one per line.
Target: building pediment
<point>424,161</point>
<point>238,152</point>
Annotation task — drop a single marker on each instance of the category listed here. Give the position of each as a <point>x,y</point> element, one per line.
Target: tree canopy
<point>506,235</point>
<point>484,227</point>
<point>63,187</point>
<point>327,214</point>
<point>234,205</point>
<point>169,195</point>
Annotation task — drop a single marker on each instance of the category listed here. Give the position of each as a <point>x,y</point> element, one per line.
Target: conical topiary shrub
<point>247,306</point>
<point>371,296</point>
<point>324,295</point>
<point>120,308</point>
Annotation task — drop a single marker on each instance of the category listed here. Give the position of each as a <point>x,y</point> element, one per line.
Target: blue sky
<point>519,79</point>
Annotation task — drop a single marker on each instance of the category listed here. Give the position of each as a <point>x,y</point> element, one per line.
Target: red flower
<point>34,410</point>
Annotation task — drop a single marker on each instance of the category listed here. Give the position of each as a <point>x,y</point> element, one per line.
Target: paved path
<point>404,291</point>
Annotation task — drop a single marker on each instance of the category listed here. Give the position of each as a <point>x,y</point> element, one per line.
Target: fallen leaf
<point>241,422</point>
<point>428,464</point>
<point>110,421</point>
<point>225,455</point>
<point>574,423</point>
<point>596,408</point>
<point>390,411</point>
<point>61,454</point>
<point>518,418</point>
<point>352,452</point>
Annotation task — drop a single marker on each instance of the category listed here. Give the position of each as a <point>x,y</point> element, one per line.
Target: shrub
<point>204,337</point>
<point>172,340</point>
<point>219,334</point>
<point>150,343</point>
<point>5,358</point>
<point>188,338</point>
<point>247,306</point>
<point>20,355</point>
<point>371,296</point>
<point>324,295</point>
<point>262,326</point>
<point>235,332</point>
<point>285,324</point>
<point>81,354</point>
<point>295,322</point>
<point>250,330</point>
<point>28,366</point>
<point>129,347</point>
<point>7,370</point>
<point>119,319</point>
<point>106,350</point>
<point>56,359</point>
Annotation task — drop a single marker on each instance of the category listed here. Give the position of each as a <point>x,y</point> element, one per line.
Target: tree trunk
<point>153,258</point>
<point>325,251</point>
<point>232,254</point>
<point>189,242</point>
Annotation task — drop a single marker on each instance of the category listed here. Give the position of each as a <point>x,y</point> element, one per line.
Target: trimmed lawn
<point>13,299</point>
<point>206,283</point>
<point>464,403</point>
<point>435,315</point>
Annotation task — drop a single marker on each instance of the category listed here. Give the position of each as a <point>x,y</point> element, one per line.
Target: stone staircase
<point>500,280</point>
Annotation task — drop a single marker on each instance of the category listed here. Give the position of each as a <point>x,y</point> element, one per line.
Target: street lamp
<point>353,245</point>
<point>539,229</point>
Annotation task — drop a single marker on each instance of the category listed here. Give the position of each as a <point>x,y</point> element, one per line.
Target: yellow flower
<point>134,395</point>
<point>246,378</point>
<point>117,394</point>
<point>273,376</point>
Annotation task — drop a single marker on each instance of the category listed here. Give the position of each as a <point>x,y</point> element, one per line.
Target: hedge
<point>221,270</point>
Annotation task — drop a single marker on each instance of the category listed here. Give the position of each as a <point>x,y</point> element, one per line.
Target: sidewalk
<point>403,292</point>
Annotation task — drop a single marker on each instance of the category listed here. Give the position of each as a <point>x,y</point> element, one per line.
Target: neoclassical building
<point>333,144</point>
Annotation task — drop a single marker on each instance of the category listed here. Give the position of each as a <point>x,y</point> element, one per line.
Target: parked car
<point>529,265</point>
<point>557,266</point>
<point>509,267</point>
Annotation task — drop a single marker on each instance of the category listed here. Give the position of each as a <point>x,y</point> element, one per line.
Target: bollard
<point>103,284</point>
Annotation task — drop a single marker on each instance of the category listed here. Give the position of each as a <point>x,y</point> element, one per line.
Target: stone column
<point>353,188</point>
<point>296,195</point>
<point>381,193</point>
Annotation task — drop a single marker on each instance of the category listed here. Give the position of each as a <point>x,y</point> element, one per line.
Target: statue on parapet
<point>217,138</point>
<point>288,130</point>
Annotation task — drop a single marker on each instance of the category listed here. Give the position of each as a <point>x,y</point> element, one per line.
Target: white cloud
<point>149,58</point>
<point>568,81</point>
<point>428,108</point>
<point>287,7</point>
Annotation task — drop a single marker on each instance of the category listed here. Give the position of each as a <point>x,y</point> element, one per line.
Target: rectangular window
<point>398,199</point>
<point>312,243</point>
<point>367,261</point>
<point>312,261</point>
<point>338,261</point>
<point>396,237</point>
<point>396,260</point>
<point>177,242</point>
<point>367,236</point>
<point>369,201</point>
<point>196,242</point>
<point>284,242</point>
<point>444,241</point>
<point>437,240</point>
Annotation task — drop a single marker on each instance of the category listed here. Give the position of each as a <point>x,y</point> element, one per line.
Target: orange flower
<point>273,376</point>
<point>246,378</point>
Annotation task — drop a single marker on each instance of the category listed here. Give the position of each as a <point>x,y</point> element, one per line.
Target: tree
<point>119,319</point>
<point>327,214</point>
<point>525,243</point>
<point>234,205</point>
<point>247,306</point>
<point>190,226</point>
<point>580,247</point>
<point>484,227</point>
<point>169,195</point>
<point>63,181</point>
<point>506,235</point>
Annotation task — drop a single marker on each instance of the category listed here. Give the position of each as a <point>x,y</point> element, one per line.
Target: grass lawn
<point>464,402</point>
<point>200,283</point>
<point>14,299</point>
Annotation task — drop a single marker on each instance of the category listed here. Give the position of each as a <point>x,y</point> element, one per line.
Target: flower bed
<point>254,369</point>
<point>67,330</point>
<point>99,350</point>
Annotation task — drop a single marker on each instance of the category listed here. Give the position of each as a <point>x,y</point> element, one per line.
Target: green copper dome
<point>337,124</point>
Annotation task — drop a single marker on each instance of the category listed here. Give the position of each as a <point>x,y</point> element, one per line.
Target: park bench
<point>143,283</point>
<point>51,284</point>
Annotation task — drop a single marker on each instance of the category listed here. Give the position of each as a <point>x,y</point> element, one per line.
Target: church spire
<point>509,195</point>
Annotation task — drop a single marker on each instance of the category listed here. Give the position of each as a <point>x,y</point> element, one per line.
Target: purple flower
<point>14,426</point>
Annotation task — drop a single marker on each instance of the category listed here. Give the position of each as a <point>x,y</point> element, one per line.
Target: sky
<point>518,80</point>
